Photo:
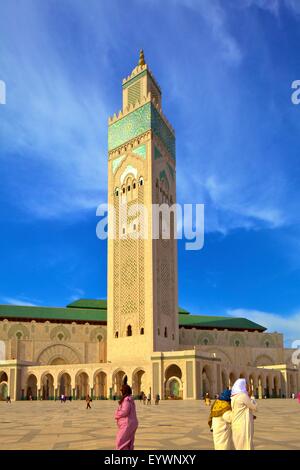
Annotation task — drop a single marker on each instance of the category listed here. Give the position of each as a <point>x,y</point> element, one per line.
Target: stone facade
<point>143,338</point>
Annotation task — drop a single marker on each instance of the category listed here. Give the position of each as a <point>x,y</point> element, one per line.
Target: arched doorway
<point>173,382</point>
<point>118,379</point>
<point>3,385</point>
<point>82,385</point>
<point>225,381</point>
<point>260,387</point>
<point>31,387</point>
<point>64,385</point>
<point>206,381</point>
<point>47,387</point>
<point>100,385</point>
<point>276,393</point>
<point>267,389</point>
<point>232,379</point>
<point>137,382</point>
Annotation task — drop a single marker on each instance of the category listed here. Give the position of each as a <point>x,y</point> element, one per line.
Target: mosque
<point>89,346</point>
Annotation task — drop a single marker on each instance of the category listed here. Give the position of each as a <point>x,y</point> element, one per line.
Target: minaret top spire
<point>142,58</point>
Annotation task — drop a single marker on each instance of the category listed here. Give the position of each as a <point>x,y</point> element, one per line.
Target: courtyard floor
<point>171,425</point>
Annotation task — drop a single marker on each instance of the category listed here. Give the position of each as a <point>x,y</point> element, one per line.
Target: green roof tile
<point>230,323</point>
<point>52,313</point>
<point>89,303</point>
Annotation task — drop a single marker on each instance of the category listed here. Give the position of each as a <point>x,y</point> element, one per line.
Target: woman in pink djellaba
<point>126,419</point>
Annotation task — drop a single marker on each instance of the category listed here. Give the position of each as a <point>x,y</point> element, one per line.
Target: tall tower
<point>142,271</point>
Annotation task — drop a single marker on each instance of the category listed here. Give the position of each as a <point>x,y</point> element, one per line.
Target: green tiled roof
<point>89,303</point>
<point>231,323</point>
<point>52,313</point>
<point>91,310</point>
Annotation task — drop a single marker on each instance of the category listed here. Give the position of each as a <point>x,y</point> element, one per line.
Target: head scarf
<point>126,392</point>
<point>225,395</point>
<point>239,386</point>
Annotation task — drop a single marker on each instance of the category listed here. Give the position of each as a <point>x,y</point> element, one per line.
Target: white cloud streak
<point>288,325</point>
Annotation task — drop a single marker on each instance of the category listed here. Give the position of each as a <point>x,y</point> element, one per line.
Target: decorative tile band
<point>138,122</point>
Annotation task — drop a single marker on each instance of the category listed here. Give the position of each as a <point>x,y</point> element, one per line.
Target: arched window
<point>117,192</point>
<point>237,343</point>
<point>158,331</point>
<point>129,330</point>
<point>134,185</point>
<point>19,335</point>
<point>123,190</point>
<point>166,332</point>
<point>267,344</point>
<point>141,181</point>
<point>205,341</point>
<point>142,331</point>
<point>128,188</point>
<point>117,334</point>
<point>99,338</point>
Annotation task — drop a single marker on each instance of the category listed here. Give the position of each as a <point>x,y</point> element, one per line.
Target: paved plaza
<point>171,425</point>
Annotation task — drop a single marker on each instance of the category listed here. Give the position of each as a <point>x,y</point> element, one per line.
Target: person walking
<point>144,398</point>
<point>220,421</point>
<point>8,400</point>
<point>207,399</point>
<point>88,402</point>
<point>149,399</point>
<point>157,398</point>
<point>242,416</point>
<point>126,418</point>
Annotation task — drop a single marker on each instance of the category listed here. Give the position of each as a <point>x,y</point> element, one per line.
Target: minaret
<point>142,271</point>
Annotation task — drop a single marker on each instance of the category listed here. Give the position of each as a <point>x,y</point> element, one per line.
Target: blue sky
<point>226,70</point>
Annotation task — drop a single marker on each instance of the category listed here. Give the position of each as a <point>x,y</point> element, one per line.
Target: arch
<point>82,384</point>
<point>237,340</point>
<point>58,351</point>
<point>18,328</point>
<point>117,381</point>
<point>60,332</point>
<point>100,384</point>
<point>232,379</point>
<point>3,376</point>
<point>138,384</point>
<point>96,332</point>
<point>173,385</point>
<point>206,381</point>
<point>205,339</point>
<point>64,384</point>
<point>31,387</point>
<point>264,360</point>
<point>225,381</point>
<point>129,330</point>
<point>47,386</point>
<point>3,390</point>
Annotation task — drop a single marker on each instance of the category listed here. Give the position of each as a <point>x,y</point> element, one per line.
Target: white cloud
<point>18,301</point>
<point>288,325</point>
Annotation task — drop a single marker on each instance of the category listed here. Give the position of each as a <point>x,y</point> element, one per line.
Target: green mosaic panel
<point>139,121</point>
<point>131,126</point>
<point>116,163</point>
<point>141,151</point>
<point>162,131</point>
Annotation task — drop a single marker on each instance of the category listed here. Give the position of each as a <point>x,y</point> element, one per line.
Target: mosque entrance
<point>3,391</point>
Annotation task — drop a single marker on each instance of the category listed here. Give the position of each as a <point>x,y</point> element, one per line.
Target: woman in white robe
<point>242,416</point>
<point>220,422</point>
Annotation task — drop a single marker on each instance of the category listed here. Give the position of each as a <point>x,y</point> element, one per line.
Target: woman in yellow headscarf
<point>220,422</point>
